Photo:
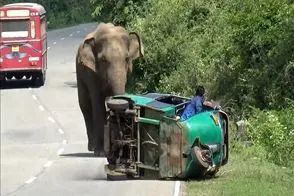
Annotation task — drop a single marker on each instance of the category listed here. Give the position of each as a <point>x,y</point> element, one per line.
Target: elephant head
<point>113,51</point>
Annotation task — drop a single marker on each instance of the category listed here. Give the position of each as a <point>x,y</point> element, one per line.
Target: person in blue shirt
<point>195,105</point>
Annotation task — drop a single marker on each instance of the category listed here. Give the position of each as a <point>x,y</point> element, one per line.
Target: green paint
<point>149,121</point>
<point>177,137</point>
<point>139,100</point>
<point>203,127</point>
<point>143,101</point>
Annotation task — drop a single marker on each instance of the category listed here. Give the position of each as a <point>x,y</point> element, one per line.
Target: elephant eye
<point>102,58</point>
<point>127,59</point>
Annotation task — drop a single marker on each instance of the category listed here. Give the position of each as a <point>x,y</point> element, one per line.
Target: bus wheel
<point>39,79</point>
<point>2,80</point>
<point>9,76</point>
<point>18,76</point>
<point>28,76</point>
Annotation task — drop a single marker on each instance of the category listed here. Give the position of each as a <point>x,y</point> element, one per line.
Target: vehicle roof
<point>150,100</point>
<point>32,6</point>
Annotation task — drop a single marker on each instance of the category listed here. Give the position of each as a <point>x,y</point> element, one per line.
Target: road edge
<point>183,189</point>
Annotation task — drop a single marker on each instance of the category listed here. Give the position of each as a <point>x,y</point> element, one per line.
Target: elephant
<point>103,61</point>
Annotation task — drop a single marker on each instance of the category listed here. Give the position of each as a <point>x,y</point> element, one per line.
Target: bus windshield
<point>14,28</point>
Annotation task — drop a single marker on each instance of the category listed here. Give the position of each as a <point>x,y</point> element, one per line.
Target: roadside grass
<point>243,176</point>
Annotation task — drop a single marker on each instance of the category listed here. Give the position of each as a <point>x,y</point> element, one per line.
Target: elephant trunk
<point>117,78</point>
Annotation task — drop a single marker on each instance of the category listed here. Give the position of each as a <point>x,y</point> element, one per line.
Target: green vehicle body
<point>178,142</point>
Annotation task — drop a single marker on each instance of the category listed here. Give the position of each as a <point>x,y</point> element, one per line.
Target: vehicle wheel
<point>9,76</point>
<point>118,104</point>
<point>39,79</point>
<point>28,76</point>
<point>213,173</point>
<point>2,82</point>
<point>114,177</point>
<point>18,76</point>
<point>202,164</point>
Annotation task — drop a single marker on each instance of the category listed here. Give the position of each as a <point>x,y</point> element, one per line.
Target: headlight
<point>33,32</point>
<point>2,13</point>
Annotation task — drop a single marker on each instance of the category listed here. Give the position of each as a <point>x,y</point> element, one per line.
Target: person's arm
<point>199,105</point>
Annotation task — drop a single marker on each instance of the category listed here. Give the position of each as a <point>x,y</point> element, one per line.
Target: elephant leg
<point>86,108</point>
<point>99,121</point>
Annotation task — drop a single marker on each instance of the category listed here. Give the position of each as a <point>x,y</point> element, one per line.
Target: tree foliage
<point>242,51</point>
<point>273,131</point>
<point>119,12</point>
<point>62,13</point>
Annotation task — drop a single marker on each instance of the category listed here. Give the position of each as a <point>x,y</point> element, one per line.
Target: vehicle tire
<point>2,80</point>
<point>9,76</point>
<point>39,79</point>
<point>18,76</point>
<point>213,173</point>
<point>111,177</point>
<point>118,104</point>
<point>28,76</point>
<point>200,162</point>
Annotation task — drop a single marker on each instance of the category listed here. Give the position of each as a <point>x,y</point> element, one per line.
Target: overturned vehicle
<point>144,138</point>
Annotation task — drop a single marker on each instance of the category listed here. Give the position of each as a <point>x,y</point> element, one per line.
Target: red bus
<point>23,42</point>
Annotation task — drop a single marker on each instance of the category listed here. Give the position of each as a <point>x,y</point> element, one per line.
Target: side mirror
<point>47,23</point>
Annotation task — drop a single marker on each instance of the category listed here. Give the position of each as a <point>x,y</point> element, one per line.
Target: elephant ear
<point>87,56</point>
<point>90,38</point>
<point>136,48</point>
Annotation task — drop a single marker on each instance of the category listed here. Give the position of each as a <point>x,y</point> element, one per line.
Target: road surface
<point>43,136</point>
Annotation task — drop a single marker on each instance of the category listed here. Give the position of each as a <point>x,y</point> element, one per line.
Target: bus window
<point>14,28</point>
<point>43,27</point>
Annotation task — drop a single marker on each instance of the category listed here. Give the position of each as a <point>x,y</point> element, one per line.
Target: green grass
<point>243,176</point>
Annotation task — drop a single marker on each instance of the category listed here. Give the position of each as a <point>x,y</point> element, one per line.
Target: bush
<point>241,51</point>
<point>62,13</point>
<point>172,59</point>
<point>119,12</point>
<point>273,131</point>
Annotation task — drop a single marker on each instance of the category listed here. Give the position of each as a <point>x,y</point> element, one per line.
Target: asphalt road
<point>43,136</point>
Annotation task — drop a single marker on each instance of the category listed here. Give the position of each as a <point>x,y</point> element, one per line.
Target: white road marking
<point>54,42</point>
<point>64,142</point>
<point>34,97</point>
<point>60,131</point>
<point>62,38</point>
<point>29,181</point>
<point>70,35</point>
<point>48,48</point>
<point>51,119</point>
<point>177,188</point>
<point>41,108</point>
<point>60,151</point>
<point>29,88</point>
<point>48,164</point>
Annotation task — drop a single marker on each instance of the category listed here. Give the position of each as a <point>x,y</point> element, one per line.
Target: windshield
<point>14,28</point>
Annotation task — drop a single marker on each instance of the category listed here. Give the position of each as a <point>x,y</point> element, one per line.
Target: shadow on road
<point>79,155</point>
<point>17,84</point>
<point>90,177</point>
<point>71,84</point>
